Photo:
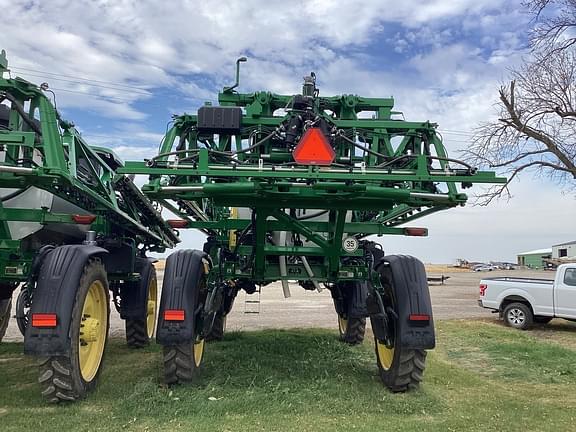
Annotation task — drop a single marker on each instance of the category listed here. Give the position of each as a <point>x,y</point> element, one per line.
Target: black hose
<point>23,114</point>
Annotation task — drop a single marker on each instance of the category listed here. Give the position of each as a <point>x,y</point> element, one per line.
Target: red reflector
<point>44,320</point>
<point>174,315</point>
<point>314,149</point>
<point>483,288</point>
<point>177,223</point>
<point>83,219</point>
<point>419,317</point>
<point>416,232</point>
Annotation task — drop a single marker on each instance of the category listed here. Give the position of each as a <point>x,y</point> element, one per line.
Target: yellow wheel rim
<point>342,325</point>
<point>151,309</point>
<point>93,325</point>
<point>385,355</point>
<point>198,351</point>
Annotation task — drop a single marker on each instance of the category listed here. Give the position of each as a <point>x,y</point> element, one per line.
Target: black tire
<point>180,364</point>
<point>352,330</point>
<point>401,369</point>
<point>139,332</point>
<point>183,359</point>
<point>61,378</point>
<point>538,319</point>
<point>218,328</point>
<point>5,310</point>
<point>518,316</point>
<point>406,371</point>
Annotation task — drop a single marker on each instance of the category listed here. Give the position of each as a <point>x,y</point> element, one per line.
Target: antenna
<point>240,60</point>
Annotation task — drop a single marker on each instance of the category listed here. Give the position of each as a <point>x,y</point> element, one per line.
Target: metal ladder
<point>252,302</point>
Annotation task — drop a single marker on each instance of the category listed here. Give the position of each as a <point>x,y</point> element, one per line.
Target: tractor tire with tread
<point>406,371</point>
<point>179,364</point>
<point>140,331</point>
<point>61,377</point>
<point>354,331</point>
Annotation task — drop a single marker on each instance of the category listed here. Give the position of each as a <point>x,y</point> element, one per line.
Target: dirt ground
<point>457,298</point>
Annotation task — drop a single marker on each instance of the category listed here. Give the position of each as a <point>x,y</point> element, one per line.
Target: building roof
<point>537,252</point>
<point>565,244</point>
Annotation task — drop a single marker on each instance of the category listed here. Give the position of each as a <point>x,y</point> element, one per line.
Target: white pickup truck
<point>523,301</point>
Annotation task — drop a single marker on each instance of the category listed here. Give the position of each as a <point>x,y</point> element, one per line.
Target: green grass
<point>481,377</point>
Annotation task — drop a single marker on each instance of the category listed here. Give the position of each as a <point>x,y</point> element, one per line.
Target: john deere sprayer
<point>290,188</point>
<point>73,234</point>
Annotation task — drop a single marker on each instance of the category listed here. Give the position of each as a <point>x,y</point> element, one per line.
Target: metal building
<point>534,259</point>
<point>564,250</point>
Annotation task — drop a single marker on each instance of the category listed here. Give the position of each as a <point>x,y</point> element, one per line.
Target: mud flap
<point>55,292</point>
<point>134,295</point>
<point>180,292</point>
<point>406,277</point>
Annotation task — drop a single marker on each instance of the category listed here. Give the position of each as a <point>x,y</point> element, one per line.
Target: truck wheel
<point>5,310</point>
<point>140,331</point>
<point>64,378</point>
<point>352,330</point>
<point>538,319</point>
<point>218,328</point>
<point>518,315</point>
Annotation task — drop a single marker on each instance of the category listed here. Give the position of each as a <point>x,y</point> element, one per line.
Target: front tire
<point>518,316</point>
<point>68,378</point>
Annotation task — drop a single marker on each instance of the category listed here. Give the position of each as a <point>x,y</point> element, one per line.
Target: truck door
<point>565,294</point>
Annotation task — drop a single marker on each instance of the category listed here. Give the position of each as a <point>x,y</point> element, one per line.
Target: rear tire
<point>5,310</point>
<point>218,328</point>
<point>64,378</point>
<point>352,330</point>
<point>140,331</point>
<point>518,316</point>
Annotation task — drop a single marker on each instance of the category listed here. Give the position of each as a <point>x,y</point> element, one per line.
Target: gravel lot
<point>455,299</point>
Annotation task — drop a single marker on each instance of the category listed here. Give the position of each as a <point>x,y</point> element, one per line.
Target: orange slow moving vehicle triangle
<point>313,149</point>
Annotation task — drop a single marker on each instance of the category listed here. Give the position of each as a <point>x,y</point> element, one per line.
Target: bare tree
<point>536,128</point>
<point>554,24</point>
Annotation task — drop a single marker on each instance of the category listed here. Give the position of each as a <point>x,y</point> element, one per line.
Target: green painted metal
<point>386,172</point>
<point>38,149</point>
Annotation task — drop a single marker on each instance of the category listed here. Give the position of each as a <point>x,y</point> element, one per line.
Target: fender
<point>350,299</point>
<point>55,292</point>
<point>134,295</point>
<point>412,297</point>
<point>517,292</point>
<point>184,268</point>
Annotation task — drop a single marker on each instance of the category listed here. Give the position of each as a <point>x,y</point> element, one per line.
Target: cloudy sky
<point>121,68</point>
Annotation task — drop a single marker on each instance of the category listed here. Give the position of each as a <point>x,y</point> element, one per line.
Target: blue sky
<point>442,61</point>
